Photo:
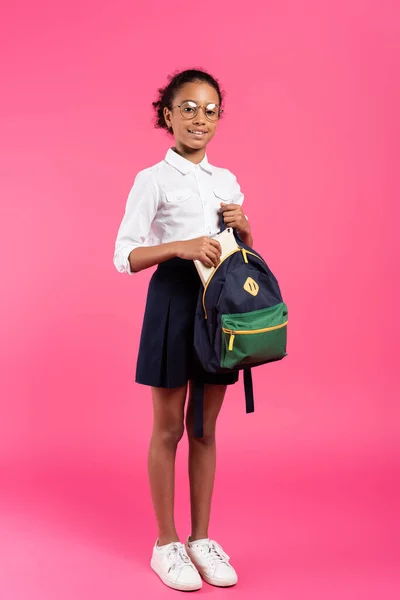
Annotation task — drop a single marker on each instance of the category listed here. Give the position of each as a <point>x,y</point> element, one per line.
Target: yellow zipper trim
<point>234,332</point>
<point>231,340</point>
<point>251,331</point>
<point>253,254</point>
<point>238,249</point>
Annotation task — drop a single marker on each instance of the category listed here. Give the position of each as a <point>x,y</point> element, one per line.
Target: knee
<point>208,438</point>
<point>170,436</point>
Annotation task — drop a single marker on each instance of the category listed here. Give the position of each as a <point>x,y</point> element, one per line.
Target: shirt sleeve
<point>237,195</point>
<point>141,208</point>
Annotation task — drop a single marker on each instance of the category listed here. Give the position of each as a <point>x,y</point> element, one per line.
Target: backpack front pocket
<point>254,337</point>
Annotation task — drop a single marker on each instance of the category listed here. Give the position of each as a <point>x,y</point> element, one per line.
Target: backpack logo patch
<point>251,286</point>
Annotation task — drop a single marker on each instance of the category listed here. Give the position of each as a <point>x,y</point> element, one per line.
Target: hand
<point>205,249</point>
<point>235,217</point>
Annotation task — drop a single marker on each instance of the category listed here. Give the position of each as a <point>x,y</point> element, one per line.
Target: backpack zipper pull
<point>231,340</point>
<point>246,260</point>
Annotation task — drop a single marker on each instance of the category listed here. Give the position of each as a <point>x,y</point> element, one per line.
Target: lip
<point>197,131</point>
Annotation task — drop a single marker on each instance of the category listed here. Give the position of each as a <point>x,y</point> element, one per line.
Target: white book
<point>228,245</point>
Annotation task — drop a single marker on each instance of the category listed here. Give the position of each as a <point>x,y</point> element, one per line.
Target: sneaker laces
<point>178,557</point>
<point>215,552</point>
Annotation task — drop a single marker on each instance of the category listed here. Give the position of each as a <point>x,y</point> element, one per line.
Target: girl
<point>171,216</point>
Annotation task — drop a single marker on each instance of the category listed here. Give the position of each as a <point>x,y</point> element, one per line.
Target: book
<point>228,244</point>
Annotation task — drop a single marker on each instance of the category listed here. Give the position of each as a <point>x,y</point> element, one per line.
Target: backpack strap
<point>248,390</point>
<point>222,225</point>
<point>198,399</point>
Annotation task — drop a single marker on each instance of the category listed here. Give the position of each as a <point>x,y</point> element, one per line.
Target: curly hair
<point>175,82</point>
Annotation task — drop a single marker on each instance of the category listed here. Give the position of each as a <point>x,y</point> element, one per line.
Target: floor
<point>317,528</point>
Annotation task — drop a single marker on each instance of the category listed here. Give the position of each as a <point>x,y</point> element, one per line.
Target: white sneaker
<point>174,567</point>
<point>212,562</point>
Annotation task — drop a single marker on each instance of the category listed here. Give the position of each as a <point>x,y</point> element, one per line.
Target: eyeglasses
<point>189,110</point>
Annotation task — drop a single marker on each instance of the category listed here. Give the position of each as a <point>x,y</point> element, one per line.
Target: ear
<point>167,117</point>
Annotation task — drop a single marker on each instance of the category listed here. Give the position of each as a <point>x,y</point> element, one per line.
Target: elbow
<point>124,264</point>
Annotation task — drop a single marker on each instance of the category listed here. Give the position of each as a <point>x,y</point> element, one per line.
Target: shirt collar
<point>184,165</point>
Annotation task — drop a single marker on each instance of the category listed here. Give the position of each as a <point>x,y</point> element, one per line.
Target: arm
<point>205,249</point>
<point>140,211</point>
<point>146,257</point>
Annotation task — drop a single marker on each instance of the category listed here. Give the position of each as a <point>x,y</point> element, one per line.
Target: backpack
<point>240,322</point>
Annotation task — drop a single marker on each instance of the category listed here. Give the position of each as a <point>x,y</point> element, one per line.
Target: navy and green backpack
<point>241,322</point>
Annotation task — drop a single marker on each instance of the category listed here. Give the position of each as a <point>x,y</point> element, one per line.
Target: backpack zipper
<point>234,332</point>
<point>238,249</point>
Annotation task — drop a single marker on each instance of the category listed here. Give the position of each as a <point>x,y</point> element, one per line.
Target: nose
<point>200,117</point>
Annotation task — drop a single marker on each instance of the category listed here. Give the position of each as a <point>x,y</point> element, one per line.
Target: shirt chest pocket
<point>178,196</point>
<point>223,195</point>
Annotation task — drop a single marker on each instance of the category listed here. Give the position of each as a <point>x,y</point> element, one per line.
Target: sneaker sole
<point>217,583</point>
<point>207,579</point>
<point>182,587</point>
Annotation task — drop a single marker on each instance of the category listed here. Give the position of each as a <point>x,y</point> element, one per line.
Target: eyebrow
<point>195,101</point>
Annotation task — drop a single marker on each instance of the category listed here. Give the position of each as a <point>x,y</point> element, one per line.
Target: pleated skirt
<point>166,355</point>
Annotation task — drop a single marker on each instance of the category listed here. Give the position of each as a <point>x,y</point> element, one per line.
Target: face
<point>195,132</point>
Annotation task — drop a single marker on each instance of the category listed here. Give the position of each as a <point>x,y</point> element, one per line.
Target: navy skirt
<point>166,353</point>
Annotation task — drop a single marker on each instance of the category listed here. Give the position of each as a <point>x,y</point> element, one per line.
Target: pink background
<point>306,499</point>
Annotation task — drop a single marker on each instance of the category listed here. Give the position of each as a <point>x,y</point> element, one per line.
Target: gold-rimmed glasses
<point>189,110</point>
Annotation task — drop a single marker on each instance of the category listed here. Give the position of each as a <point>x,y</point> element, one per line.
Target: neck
<point>195,156</point>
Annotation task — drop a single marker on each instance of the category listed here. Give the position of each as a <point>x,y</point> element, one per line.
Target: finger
<point>235,210</point>
<point>234,215</point>
<point>213,256</point>
<point>207,257</point>
<point>225,207</point>
<point>214,252</point>
<point>231,222</point>
<point>231,219</point>
<point>215,244</point>
<point>207,262</point>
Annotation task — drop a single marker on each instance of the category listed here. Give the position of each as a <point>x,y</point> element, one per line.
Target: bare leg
<point>202,459</point>
<point>168,428</point>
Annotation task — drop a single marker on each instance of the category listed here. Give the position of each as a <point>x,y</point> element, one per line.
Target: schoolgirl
<point>172,213</point>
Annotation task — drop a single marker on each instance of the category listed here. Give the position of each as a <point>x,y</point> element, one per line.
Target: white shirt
<point>174,200</point>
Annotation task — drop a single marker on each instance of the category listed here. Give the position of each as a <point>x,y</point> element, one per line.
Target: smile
<point>199,133</point>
